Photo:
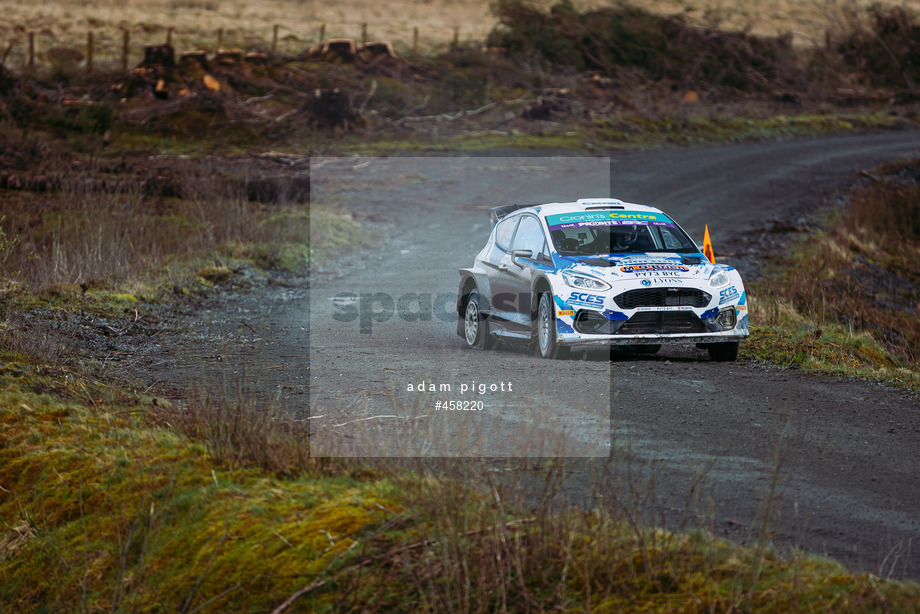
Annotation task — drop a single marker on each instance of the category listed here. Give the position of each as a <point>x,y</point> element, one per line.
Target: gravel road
<point>837,459</point>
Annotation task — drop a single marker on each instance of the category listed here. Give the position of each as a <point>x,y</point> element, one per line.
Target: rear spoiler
<point>497,213</point>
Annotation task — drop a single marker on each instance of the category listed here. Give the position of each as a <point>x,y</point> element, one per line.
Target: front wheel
<point>723,352</point>
<point>546,328</point>
<point>475,326</point>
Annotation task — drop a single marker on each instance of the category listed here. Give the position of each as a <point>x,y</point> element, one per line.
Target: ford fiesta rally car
<point>598,272</point>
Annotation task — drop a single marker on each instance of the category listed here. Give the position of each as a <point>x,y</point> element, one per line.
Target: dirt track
<point>849,485</point>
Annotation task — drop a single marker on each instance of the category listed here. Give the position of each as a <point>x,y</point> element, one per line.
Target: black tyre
<point>475,326</point>
<point>546,328</point>
<point>723,352</point>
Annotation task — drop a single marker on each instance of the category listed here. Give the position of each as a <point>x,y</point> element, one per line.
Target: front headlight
<point>719,279</point>
<point>584,282</point>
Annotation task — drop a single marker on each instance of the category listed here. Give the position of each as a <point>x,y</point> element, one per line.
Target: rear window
<point>504,231</point>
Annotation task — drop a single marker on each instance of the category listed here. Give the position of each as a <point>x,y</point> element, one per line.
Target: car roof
<point>587,204</point>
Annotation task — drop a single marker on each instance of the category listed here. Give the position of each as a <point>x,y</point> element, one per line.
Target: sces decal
<point>586,300</point>
<point>728,294</point>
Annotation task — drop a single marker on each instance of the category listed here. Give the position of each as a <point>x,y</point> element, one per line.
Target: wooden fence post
<point>89,52</point>
<point>169,32</point>
<point>415,39</point>
<point>125,43</point>
<point>31,51</point>
<point>274,39</point>
<point>220,39</point>
<point>363,33</point>
<point>456,37</point>
<point>322,33</point>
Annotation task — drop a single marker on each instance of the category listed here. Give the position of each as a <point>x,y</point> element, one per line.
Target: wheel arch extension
<point>467,285</point>
<point>539,287</point>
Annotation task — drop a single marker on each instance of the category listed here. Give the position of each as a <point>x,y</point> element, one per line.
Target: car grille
<point>662,297</point>
<point>593,323</point>
<point>662,322</point>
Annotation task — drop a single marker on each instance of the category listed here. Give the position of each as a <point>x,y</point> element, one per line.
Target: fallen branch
<point>449,116</point>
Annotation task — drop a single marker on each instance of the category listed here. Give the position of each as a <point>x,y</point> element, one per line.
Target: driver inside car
<point>624,238</point>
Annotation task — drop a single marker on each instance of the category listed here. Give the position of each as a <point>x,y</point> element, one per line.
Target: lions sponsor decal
<point>657,281</point>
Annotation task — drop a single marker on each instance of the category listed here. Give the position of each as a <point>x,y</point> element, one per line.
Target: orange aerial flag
<point>707,246</point>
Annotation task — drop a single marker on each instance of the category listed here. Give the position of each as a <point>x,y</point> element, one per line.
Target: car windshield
<point>617,232</point>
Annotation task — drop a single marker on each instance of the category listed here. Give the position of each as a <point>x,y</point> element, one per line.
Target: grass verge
<point>847,300</point>
<point>107,503</point>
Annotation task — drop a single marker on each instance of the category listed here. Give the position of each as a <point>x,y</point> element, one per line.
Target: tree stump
<point>229,57</point>
<point>256,59</point>
<point>331,108</point>
<point>159,55</point>
<point>195,57</point>
<point>339,48</point>
<point>9,83</point>
<point>377,49</point>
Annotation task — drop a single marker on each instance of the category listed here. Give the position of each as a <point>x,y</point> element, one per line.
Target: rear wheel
<point>475,326</point>
<point>546,328</point>
<point>723,352</point>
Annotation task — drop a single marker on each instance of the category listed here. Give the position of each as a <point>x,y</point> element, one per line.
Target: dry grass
<point>847,301</point>
<point>249,25</point>
<point>97,228</point>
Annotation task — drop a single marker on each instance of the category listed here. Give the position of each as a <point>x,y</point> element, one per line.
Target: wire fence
<point>111,49</point>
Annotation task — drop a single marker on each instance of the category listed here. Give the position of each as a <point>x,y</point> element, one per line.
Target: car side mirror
<point>521,253</point>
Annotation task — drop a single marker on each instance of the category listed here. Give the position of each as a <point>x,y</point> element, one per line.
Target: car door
<point>516,277</point>
<point>495,262</point>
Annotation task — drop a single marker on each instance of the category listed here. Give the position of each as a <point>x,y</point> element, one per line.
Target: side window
<point>504,231</point>
<point>530,235</point>
<point>670,241</point>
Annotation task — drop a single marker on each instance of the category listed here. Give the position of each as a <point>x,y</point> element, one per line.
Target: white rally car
<point>598,272</point>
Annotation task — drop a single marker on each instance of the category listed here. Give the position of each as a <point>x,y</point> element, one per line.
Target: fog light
<point>726,318</point>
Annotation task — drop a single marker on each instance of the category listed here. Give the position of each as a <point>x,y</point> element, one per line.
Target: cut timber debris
<point>211,83</point>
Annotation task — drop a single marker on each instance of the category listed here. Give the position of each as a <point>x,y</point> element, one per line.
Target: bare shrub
<point>862,272</point>
<point>36,339</point>
<point>97,233</point>
<point>242,429</point>
<point>663,47</point>
<point>886,50</point>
